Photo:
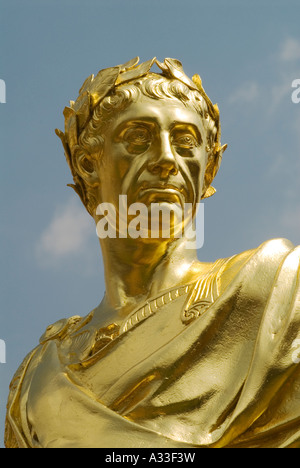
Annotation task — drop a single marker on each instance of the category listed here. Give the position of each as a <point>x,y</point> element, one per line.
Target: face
<point>154,152</point>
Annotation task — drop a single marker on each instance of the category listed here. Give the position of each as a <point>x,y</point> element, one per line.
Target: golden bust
<point>179,353</point>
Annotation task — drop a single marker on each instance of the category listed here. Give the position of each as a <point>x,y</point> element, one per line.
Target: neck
<point>135,270</point>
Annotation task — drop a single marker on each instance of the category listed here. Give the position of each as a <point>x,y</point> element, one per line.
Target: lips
<point>161,191</point>
<point>160,187</point>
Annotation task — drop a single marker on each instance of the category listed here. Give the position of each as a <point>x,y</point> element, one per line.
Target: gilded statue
<point>179,353</point>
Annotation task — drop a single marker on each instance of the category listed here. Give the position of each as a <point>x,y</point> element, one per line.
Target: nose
<point>164,161</point>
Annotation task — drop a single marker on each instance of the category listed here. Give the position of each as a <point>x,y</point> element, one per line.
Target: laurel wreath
<point>95,88</point>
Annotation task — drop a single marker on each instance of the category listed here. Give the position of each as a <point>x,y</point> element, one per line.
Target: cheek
<point>122,168</point>
<point>194,169</point>
<point>135,168</point>
<point>195,172</point>
<point>198,165</point>
<point>114,164</point>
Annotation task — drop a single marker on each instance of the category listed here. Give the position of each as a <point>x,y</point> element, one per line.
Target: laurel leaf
<point>61,135</point>
<point>86,85</point>
<point>198,82</point>
<point>176,70</point>
<point>82,109</point>
<point>102,84</point>
<point>135,73</point>
<point>70,126</point>
<point>162,66</point>
<point>130,64</point>
<point>209,192</point>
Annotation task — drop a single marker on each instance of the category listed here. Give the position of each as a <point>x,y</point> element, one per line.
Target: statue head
<point>104,101</point>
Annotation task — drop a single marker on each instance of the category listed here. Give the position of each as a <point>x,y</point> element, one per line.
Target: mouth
<point>161,192</point>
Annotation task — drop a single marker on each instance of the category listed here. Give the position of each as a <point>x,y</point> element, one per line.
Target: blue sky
<point>248,55</point>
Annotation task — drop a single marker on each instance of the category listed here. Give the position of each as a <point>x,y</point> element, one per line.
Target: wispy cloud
<point>280,92</point>
<point>286,61</point>
<point>285,66</point>
<point>247,93</point>
<point>67,236</point>
<point>290,50</point>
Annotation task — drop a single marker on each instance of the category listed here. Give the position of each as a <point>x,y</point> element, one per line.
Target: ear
<point>212,168</point>
<point>85,165</point>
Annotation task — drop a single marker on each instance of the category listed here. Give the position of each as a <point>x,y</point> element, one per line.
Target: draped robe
<point>213,363</point>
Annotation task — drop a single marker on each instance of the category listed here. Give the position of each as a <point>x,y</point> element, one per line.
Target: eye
<point>184,142</point>
<point>137,139</point>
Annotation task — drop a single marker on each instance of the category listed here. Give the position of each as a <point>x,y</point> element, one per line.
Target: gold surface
<point>179,353</point>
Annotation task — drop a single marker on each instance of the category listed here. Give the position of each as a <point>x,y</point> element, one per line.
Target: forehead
<point>163,113</point>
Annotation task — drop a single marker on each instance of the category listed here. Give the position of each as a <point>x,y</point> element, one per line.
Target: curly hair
<point>153,86</point>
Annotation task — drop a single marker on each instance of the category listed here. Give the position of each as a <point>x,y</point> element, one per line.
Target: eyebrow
<point>153,122</point>
<point>192,126</point>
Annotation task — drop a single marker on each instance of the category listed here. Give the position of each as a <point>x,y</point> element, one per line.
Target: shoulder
<point>14,433</point>
<point>262,262</point>
<point>61,328</point>
<point>58,331</point>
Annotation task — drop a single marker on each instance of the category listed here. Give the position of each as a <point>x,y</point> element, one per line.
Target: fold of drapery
<point>227,379</point>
